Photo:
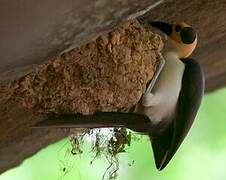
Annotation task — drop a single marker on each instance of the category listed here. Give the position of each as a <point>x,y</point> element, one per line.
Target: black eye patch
<point>188,35</point>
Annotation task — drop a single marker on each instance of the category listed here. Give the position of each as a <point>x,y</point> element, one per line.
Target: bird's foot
<point>147,99</point>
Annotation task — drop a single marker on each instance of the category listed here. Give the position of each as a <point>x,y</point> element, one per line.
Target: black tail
<point>134,121</point>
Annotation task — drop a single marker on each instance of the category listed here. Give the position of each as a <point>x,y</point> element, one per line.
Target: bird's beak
<point>164,27</point>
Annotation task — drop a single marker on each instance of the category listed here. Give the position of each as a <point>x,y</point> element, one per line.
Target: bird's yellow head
<point>183,38</point>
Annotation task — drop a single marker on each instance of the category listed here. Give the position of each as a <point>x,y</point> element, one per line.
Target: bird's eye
<point>177,28</point>
<point>188,35</point>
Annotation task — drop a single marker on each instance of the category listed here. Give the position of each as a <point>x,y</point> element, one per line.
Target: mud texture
<point>108,74</point>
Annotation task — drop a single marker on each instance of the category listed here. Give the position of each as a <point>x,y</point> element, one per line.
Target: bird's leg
<point>148,98</point>
<point>156,75</point>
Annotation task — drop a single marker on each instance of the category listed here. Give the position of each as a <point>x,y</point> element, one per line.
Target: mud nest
<point>108,74</point>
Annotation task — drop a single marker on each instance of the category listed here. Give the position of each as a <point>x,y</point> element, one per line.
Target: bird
<point>174,101</point>
<point>169,105</point>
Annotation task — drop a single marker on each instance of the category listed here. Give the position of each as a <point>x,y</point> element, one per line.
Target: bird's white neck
<point>172,61</point>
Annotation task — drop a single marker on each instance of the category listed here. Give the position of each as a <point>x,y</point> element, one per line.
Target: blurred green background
<point>202,155</point>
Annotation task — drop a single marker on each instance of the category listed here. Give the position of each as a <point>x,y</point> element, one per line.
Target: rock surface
<point>208,18</point>
<point>32,32</point>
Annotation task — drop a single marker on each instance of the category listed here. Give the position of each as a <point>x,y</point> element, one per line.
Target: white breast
<point>166,89</point>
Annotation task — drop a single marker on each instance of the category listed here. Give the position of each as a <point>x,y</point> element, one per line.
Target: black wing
<point>188,104</point>
<point>134,121</point>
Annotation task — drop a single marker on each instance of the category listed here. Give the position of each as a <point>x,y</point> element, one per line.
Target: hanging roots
<point>104,144</point>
